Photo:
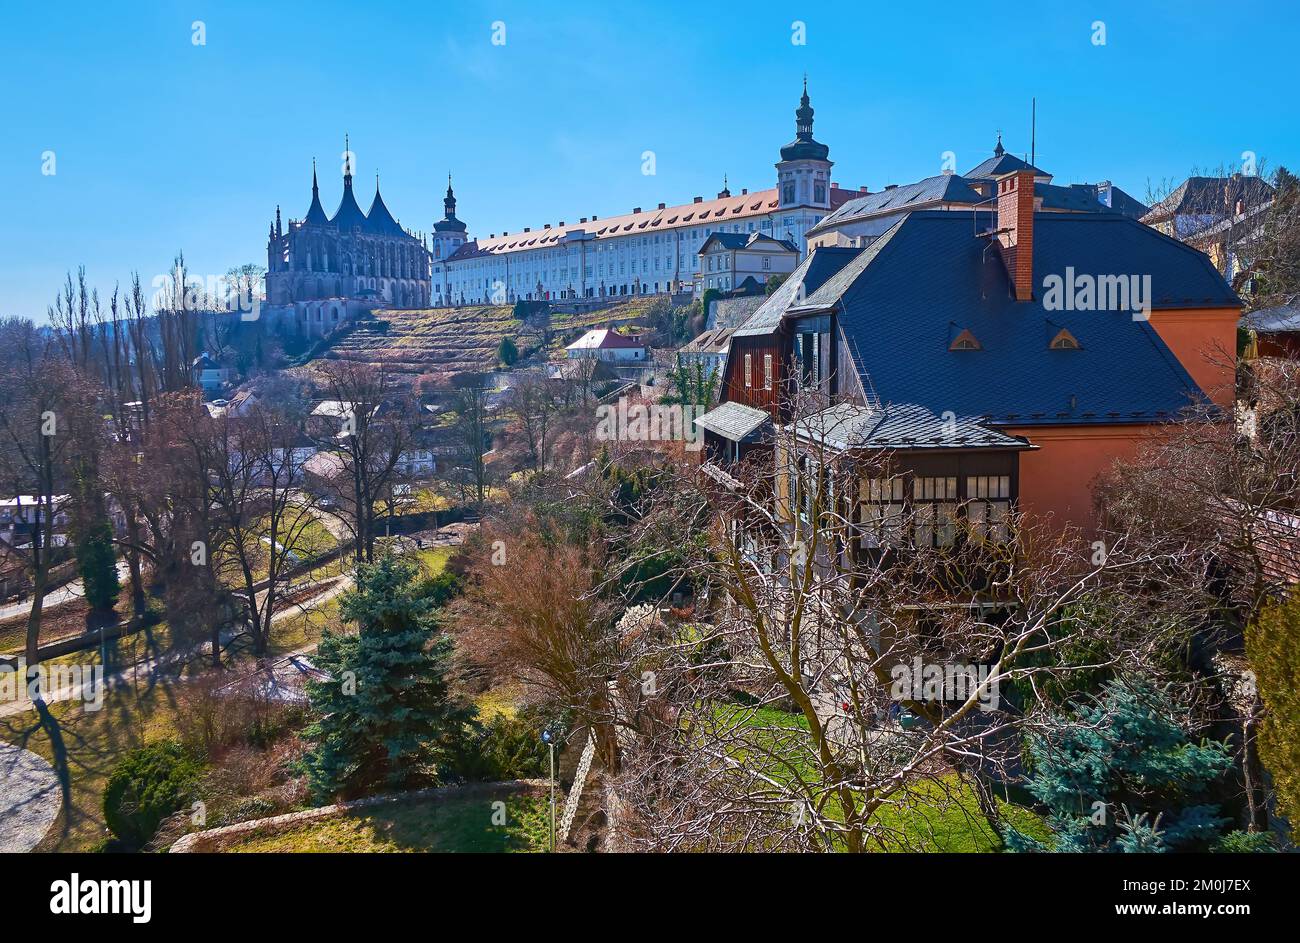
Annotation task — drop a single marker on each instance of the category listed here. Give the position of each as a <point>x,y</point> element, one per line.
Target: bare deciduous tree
<point>840,669</point>
<point>369,430</point>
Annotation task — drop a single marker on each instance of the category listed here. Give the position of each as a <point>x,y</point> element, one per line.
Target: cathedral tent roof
<point>316,214</point>
<point>380,220</point>
<point>349,213</point>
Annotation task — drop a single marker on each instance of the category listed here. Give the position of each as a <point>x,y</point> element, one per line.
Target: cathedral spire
<point>347,162</point>
<point>316,214</point>
<point>278,231</point>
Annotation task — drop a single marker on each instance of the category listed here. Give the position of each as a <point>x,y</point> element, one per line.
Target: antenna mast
<point>1033,131</point>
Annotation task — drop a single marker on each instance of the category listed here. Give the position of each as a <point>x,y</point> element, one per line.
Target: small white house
<point>209,374</point>
<point>21,514</point>
<point>604,344</point>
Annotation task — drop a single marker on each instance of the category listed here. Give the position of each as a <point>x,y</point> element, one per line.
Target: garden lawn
<point>433,560</point>
<point>87,745</point>
<point>458,825</point>
<point>928,815</point>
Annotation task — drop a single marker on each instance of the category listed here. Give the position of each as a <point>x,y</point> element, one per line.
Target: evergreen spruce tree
<point>1121,775</point>
<point>97,564</point>
<point>386,719</point>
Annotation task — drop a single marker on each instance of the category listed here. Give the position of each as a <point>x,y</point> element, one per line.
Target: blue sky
<point>163,145</point>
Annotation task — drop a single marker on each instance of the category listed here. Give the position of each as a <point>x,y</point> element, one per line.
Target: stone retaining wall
<point>218,839</point>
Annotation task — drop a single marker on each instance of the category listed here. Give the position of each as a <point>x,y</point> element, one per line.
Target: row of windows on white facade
<point>670,255</point>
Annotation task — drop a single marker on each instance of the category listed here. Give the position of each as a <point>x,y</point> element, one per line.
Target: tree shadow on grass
<point>49,725</point>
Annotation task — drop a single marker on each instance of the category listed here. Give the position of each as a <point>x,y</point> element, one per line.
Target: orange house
<point>1084,333</point>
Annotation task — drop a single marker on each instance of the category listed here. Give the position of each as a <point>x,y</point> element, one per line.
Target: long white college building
<point>642,252</point>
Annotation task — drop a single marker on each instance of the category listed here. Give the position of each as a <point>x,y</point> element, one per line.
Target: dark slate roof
<point>811,273</point>
<point>828,295</point>
<point>742,240</point>
<point>449,224</point>
<point>379,220</point>
<point>1077,198</point>
<point>729,240</point>
<point>1212,196</point>
<point>944,188</point>
<point>899,426</point>
<point>900,301</point>
<point>1000,164</point>
<point>348,214</point>
<point>1284,319</point>
<point>315,213</point>
<point>734,421</point>
<point>1121,202</point>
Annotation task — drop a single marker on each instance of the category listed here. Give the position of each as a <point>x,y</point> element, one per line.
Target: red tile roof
<point>705,213</point>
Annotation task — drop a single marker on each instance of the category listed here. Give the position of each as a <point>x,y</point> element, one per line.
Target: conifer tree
<point>386,719</point>
<point>1121,775</point>
<point>97,563</point>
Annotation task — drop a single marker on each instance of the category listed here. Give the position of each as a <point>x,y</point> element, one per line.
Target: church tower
<point>804,172</point>
<point>448,232</point>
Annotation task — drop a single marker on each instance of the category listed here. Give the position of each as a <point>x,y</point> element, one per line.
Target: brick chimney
<point>1016,230</point>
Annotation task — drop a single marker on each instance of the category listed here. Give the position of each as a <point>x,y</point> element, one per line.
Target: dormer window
<point>1064,340</point>
<point>965,341</point>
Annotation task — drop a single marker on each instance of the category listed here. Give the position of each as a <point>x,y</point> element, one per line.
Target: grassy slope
<point>928,815</point>
<point>453,340</point>
<point>463,825</point>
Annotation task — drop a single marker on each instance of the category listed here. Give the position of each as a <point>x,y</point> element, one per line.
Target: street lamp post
<point>550,743</point>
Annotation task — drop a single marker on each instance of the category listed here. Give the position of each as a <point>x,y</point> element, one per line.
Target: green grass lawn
<point>433,560</point>
<point>310,538</point>
<point>460,825</point>
<point>90,745</point>
<point>304,628</point>
<point>929,814</point>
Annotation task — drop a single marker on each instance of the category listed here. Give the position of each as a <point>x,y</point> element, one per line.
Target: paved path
<point>29,798</point>
<point>57,597</point>
<point>150,666</point>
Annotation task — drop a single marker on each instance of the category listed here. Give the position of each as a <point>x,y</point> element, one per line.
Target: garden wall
<point>218,839</point>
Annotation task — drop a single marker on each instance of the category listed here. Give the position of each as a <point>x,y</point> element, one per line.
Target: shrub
<point>441,589</point>
<point>1273,647</point>
<point>215,717</point>
<point>1236,843</point>
<point>1120,774</point>
<point>148,785</point>
<point>98,565</point>
<point>508,748</point>
<point>511,747</point>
